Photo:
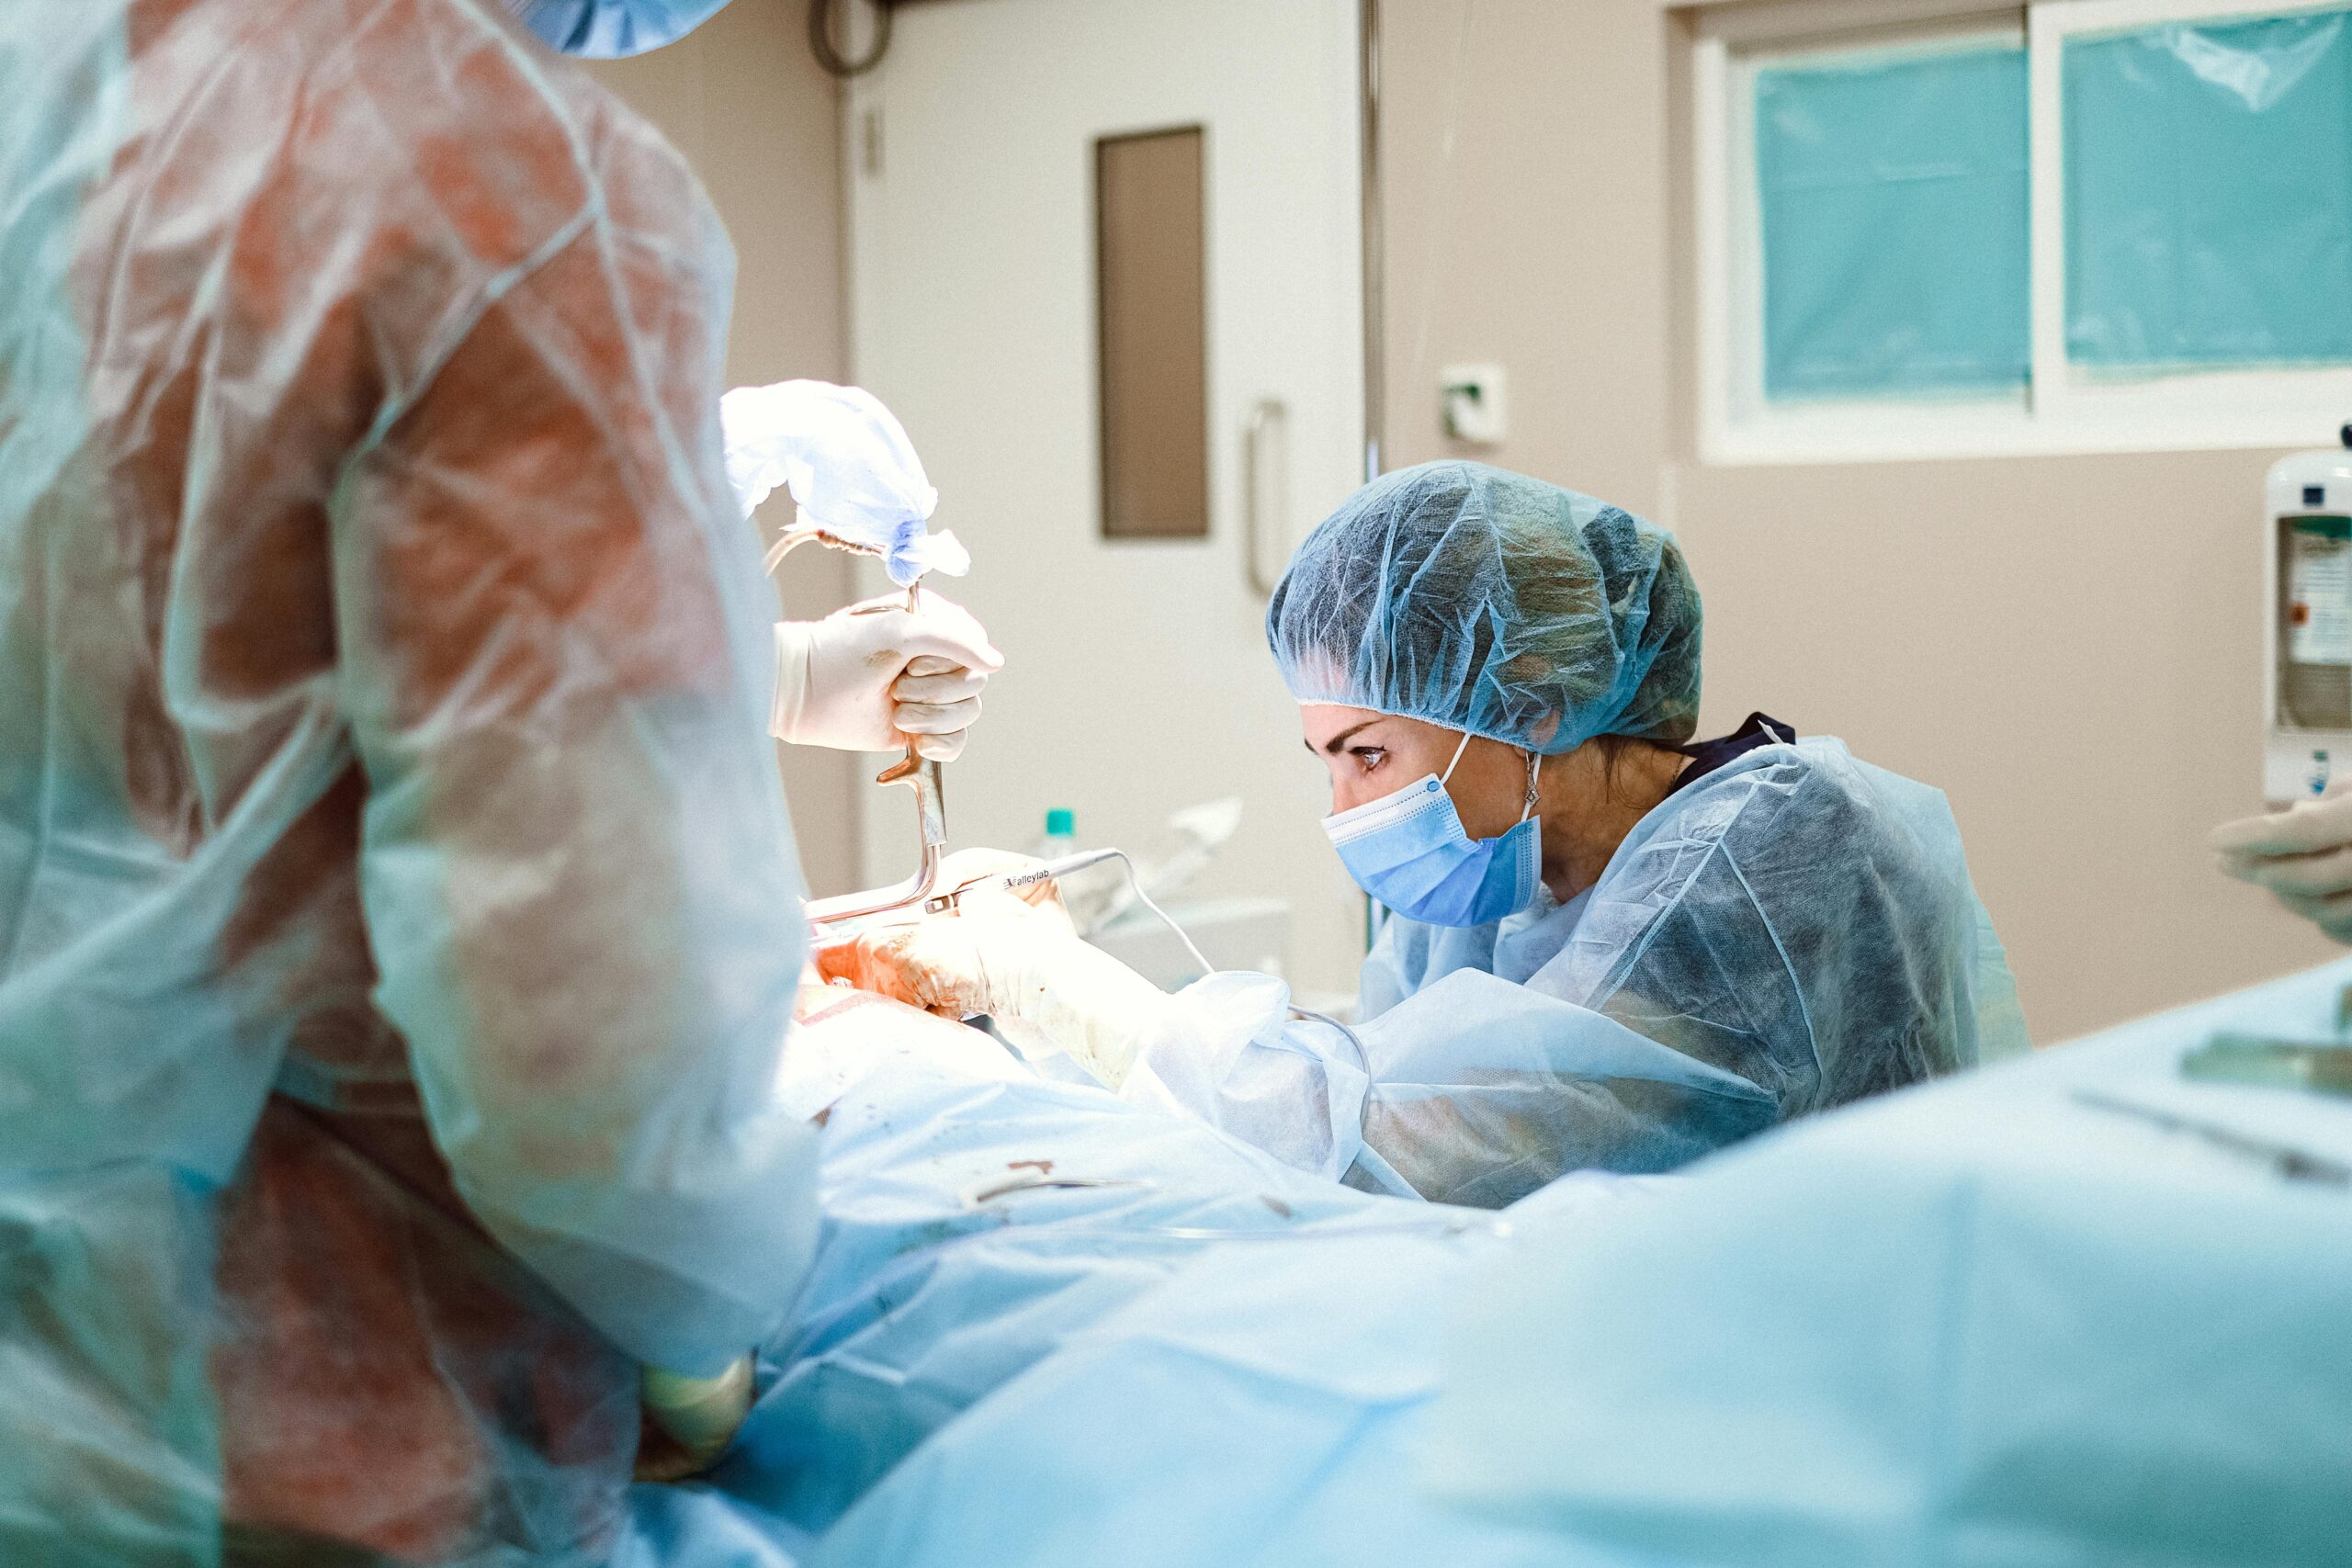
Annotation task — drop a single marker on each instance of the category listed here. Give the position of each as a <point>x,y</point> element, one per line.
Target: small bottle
<point>1061,834</point>
<point>1090,895</point>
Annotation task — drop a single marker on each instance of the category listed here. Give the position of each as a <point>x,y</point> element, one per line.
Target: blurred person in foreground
<point>398,918</point>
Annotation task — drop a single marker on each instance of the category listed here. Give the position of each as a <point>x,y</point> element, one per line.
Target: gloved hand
<point>874,676</point>
<point>2302,854</point>
<point>695,1418</point>
<point>955,965</point>
<point>1022,965</point>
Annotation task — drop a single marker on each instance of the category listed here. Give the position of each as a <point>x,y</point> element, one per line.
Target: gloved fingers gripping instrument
<point>918,773</point>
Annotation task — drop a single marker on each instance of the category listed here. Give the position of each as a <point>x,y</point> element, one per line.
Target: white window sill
<point>1881,435</point>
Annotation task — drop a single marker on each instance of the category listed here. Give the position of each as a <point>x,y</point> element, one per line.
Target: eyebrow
<point>1332,746</point>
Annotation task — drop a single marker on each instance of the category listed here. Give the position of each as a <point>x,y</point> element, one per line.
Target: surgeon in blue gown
<point>1607,947</point>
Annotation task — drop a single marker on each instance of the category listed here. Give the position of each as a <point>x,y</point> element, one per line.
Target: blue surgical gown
<point>1789,932</point>
<point>398,924</point>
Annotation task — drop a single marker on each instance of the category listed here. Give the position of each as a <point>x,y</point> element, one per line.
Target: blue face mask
<point>1410,851</point>
<point>610,30</point>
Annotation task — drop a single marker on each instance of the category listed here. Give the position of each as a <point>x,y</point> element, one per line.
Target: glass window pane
<point>2209,194</point>
<point>1891,195</point>
<point>1153,354</point>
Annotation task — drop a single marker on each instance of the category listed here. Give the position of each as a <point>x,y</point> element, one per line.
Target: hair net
<point>1488,602</point>
<point>612,29</point>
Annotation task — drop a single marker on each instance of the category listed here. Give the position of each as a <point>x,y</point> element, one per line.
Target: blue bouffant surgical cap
<point>1484,600</point>
<point>612,29</point>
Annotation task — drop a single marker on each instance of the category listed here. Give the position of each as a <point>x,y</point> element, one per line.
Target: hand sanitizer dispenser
<point>2307,684</point>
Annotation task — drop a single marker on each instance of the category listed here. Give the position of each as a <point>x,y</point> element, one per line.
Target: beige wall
<point>744,101</point>
<point>2068,646</point>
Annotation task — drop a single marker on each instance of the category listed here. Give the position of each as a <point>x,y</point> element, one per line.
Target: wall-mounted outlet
<point>1473,403</point>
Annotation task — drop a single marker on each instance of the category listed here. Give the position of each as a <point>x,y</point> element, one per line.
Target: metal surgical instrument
<point>918,771</point>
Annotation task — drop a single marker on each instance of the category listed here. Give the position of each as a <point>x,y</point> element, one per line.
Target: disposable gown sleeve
<point>576,866</point>
<point>1470,1090</point>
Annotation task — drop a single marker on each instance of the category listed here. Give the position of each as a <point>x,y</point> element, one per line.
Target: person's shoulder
<point>450,106</point>
<point>1814,789</point>
<point>646,185</point>
<point>1829,761</point>
<point>1760,781</point>
<point>1811,762</point>
<point>430,120</point>
<point>1829,807</point>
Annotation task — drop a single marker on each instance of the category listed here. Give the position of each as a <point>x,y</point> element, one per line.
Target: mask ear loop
<point>1534,765</point>
<point>1457,757</point>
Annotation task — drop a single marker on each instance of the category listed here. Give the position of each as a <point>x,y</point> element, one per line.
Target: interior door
<point>993,203</point>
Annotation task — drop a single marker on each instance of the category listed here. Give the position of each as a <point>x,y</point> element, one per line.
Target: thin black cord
<point>820,39</point>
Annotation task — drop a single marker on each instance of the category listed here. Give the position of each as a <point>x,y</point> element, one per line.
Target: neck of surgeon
<point>1590,798</point>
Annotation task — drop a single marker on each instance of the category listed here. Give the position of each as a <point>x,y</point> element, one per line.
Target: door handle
<point>1269,426</point>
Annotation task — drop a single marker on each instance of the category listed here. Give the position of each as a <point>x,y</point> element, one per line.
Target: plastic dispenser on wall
<point>2307,697</point>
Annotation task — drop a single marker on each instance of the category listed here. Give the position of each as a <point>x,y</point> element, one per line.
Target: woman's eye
<point>1370,757</point>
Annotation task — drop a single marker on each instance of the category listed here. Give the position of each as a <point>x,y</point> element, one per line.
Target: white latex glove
<point>2302,854</point>
<point>699,1417</point>
<point>1021,965</point>
<point>851,471</point>
<point>844,457</point>
<point>874,676</point>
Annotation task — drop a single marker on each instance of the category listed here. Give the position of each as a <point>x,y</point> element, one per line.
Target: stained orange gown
<point>399,925</point>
